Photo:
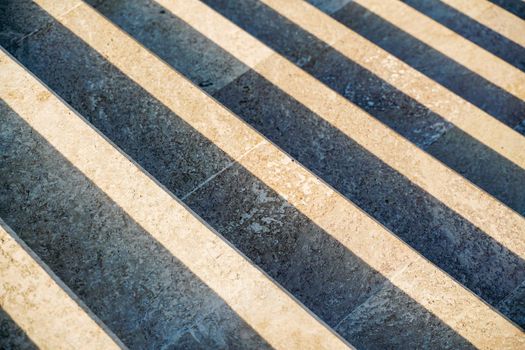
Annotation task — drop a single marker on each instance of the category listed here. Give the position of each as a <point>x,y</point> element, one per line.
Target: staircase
<point>223,174</point>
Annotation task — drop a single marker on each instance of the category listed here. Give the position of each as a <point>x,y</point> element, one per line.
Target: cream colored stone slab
<point>420,278</point>
<point>87,24</point>
<point>391,310</point>
<point>450,106</point>
<point>481,209</point>
<point>41,305</point>
<point>270,311</point>
<point>450,44</point>
<point>493,17</point>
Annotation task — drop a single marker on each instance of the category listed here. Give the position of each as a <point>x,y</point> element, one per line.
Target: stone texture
<point>140,290</point>
<point>434,230</point>
<point>140,229</point>
<point>264,221</point>
<point>12,337</point>
<point>207,65</point>
<point>36,309</point>
<point>482,166</point>
<point>460,79</point>
<point>515,7</point>
<point>514,305</point>
<point>474,31</point>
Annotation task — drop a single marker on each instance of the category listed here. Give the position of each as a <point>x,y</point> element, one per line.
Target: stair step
<point>47,313</point>
<point>450,44</point>
<point>495,18</point>
<point>478,144</point>
<point>145,264</point>
<point>314,199</point>
<point>437,181</point>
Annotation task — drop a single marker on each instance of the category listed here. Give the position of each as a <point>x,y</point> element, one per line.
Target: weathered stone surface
<point>482,166</point>
<point>273,218</point>
<point>460,79</point>
<point>144,128</point>
<point>141,291</point>
<point>514,305</point>
<point>474,31</point>
<point>207,65</point>
<point>36,309</point>
<point>175,229</point>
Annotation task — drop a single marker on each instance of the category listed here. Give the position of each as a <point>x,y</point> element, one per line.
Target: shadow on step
<point>300,256</point>
<point>436,231</point>
<point>494,100</point>
<point>151,300</point>
<point>139,290</point>
<point>472,30</point>
<point>12,336</point>
<point>516,7</point>
<point>143,293</point>
<point>420,125</point>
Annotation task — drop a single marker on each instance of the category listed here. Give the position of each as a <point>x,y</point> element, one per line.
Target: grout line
<point>44,27</point>
<point>388,280</point>
<point>500,303</point>
<point>229,165</point>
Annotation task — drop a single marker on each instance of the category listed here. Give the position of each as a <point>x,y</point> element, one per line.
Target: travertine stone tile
<point>14,26</point>
<point>458,77</point>
<point>45,311</point>
<point>450,44</point>
<point>493,17</point>
<point>207,65</point>
<point>515,7</point>
<point>461,17</point>
<point>299,49</point>
<point>329,6</point>
<point>482,167</point>
<point>433,229</point>
<point>147,130</point>
<point>390,315</point>
<point>354,53</point>
<point>227,132</point>
<point>150,263</point>
<point>316,267</point>
<point>514,305</point>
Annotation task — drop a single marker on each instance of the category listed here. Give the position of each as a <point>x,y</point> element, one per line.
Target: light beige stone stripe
<point>265,306</point>
<point>41,305</point>
<point>453,190</point>
<point>493,17</point>
<point>450,44</point>
<point>328,209</point>
<point>464,115</point>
